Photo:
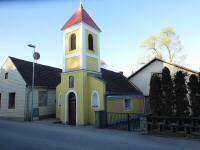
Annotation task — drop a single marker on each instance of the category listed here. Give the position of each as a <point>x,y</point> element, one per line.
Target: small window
<point>6,75</point>
<point>158,74</point>
<point>95,100</point>
<point>73,42</point>
<point>43,98</point>
<point>127,104</point>
<point>71,82</point>
<point>90,42</point>
<point>11,102</point>
<point>0,100</point>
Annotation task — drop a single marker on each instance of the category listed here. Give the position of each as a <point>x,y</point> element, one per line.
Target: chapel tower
<point>81,43</point>
<point>81,91</point>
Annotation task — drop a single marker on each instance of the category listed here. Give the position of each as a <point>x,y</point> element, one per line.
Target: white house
<point>141,78</point>
<point>15,89</point>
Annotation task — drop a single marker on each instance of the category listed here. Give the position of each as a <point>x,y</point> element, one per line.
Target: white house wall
<point>142,78</point>
<point>51,102</point>
<point>14,83</point>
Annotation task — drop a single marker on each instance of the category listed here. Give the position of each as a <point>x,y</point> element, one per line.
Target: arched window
<point>90,42</point>
<point>95,100</point>
<point>71,82</point>
<point>73,42</point>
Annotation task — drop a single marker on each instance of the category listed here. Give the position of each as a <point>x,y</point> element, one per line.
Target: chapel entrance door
<point>72,109</point>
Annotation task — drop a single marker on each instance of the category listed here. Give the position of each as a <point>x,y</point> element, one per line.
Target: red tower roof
<point>80,16</point>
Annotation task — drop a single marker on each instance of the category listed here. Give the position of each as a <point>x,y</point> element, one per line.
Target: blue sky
<point>125,24</point>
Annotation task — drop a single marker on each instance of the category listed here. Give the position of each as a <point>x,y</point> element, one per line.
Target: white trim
<point>99,103</point>
<point>64,43</point>
<point>89,71</point>
<point>92,55</point>
<point>67,104</point>
<point>83,47</point>
<point>120,97</point>
<point>72,28</point>
<point>131,107</point>
<point>90,28</point>
<point>72,55</point>
<point>98,50</point>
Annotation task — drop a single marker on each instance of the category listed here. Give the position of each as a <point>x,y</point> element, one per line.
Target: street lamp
<point>36,56</point>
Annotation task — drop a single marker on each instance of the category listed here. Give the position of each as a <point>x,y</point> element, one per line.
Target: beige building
<point>15,89</point>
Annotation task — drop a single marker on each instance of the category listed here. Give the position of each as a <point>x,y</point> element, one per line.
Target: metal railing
<point>123,121</point>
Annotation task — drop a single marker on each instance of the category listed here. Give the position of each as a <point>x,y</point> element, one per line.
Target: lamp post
<point>36,56</point>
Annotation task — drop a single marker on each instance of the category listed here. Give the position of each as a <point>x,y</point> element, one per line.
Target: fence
<point>123,121</point>
<point>174,125</point>
<point>178,126</point>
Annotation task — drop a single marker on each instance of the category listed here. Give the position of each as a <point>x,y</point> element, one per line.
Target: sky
<point>125,24</point>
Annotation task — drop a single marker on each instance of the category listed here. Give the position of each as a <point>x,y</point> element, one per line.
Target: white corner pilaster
<point>64,66</point>
<point>99,58</point>
<point>82,47</point>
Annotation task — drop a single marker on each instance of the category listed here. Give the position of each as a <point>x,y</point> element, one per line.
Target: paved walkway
<point>46,136</point>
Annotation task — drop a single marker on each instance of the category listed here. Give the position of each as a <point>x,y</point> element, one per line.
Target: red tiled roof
<point>80,16</point>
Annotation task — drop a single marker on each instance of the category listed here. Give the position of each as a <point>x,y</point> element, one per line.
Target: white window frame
<point>39,99</point>
<point>131,104</point>
<point>98,100</point>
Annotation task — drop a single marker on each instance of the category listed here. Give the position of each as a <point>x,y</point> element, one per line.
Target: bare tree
<point>166,42</point>
<point>151,44</point>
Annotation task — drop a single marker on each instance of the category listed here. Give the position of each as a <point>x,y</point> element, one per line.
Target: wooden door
<point>72,110</point>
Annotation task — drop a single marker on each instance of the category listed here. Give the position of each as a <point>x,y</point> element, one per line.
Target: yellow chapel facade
<point>85,87</point>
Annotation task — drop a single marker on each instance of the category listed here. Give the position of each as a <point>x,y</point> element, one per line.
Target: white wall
<point>51,103</point>
<point>142,78</point>
<point>14,83</point>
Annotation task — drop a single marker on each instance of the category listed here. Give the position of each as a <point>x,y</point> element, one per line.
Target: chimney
<point>121,72</point>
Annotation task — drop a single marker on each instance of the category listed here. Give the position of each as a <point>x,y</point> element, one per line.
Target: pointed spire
<point>81,6</point>
<point>81,3</point>
<point>80,16</point>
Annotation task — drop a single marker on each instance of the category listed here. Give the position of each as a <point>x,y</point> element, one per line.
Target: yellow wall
<point>67,42</point>
<point>72,63</point>
<point>97,85</point>
<point>95,40</point>
<point>117,105</point>
<point>92,64</point>
<point>84,85</point>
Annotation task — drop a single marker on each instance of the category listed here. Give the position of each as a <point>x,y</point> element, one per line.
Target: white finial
<point>80,2</point>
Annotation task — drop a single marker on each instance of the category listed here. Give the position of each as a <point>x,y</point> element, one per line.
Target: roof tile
<point>44,75</point>
<point>80,16</point>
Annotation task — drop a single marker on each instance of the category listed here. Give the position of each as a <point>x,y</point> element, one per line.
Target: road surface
<point>39,136</point>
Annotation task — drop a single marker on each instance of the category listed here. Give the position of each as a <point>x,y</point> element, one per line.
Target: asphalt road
<point>38,136</point>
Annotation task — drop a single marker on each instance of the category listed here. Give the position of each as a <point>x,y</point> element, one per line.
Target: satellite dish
<point>36,56</point>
